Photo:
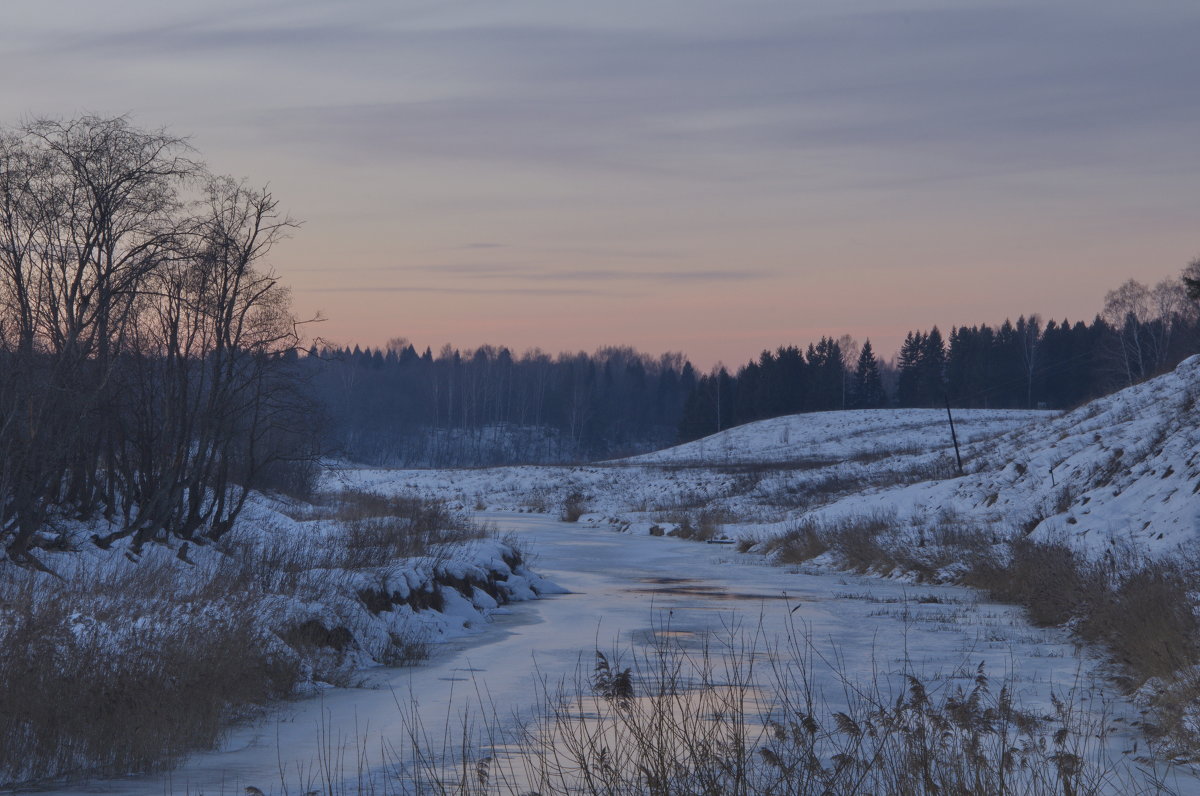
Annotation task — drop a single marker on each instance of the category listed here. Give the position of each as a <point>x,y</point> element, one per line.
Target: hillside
<point>830,437</point>
<point>751,477</point>
<point>1086,520</point>
<point>1123,469</point>
<point>1120,472</point>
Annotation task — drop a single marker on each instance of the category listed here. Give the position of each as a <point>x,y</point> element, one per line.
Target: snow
<point>828,437</point>
<point>1120,474</point>
<point>632,591</point>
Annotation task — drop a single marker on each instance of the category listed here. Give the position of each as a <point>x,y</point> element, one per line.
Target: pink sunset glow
<point>711,178</point>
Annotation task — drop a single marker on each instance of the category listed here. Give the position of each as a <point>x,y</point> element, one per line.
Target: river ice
<point>626,591</point>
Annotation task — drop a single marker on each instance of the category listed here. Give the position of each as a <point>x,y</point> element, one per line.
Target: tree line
<point>143,376</point>
<point>395,406</point>
<point>488,406</point>
<point>1140,333</point>
<point>150,372</point>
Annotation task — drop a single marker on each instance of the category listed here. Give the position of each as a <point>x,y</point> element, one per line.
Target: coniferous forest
<point>489,406</point>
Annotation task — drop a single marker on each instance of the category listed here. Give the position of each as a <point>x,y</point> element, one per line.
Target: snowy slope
<point>840,436</point>
<point>1122,470</point>
<point>757,476</point>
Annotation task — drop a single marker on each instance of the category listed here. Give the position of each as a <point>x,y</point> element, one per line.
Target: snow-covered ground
<point>755,478</point>
<point>296,603</point>
<point>1116,478</point>
<point>1123,470</point>
<point>310,584</point>
<point>628,592</point>
<point>1119,475</point>
<point>830,437</point>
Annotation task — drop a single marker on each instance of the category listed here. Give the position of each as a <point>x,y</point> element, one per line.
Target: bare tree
<point>1168,306</point>
<point>141,336</point>
<point>1126,309</point>
<point>1029,333</point>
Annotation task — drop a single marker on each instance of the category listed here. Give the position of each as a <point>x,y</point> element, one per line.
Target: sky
<point>708,177</point>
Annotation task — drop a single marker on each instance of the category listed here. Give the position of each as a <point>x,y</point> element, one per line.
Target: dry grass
<point>375,530</point>
<point>122,667</point>
<point>874,542</point>
<point>538,500</point>
<point>734,719</point>
<point>857,540</point>
<point>1147,618</point>
<point>810,491</point>
<point>701,525</point>
<point>111,673</point>
<point>574,506</point>
<point>803,541</point>
<point>1142,611</point>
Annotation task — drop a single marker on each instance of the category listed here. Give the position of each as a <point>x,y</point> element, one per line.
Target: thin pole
<point>953,435</point>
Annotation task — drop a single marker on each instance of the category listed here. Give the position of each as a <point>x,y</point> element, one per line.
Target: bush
<point>378,529</point>
<point>295,478</point>
<point>88,689</point>
<point>700,525</point>
<point>801,542</point>
<point>574,506</point>
<point>1144,614</point>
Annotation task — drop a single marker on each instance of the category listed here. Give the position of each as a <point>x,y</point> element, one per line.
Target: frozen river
<point>623,591</point>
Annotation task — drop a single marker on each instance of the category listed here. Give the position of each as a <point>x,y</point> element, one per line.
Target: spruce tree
<point>868,387</point>
<point>912,353</point>
<point>933,369</point>
<point>1191,279</point>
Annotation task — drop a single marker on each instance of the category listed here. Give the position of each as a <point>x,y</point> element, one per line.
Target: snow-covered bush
<point>113,662</point>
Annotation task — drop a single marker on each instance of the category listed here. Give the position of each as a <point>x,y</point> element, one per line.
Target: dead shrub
<point>378,529</point>
<point>1147,620</point>
<point>798,544</point>
<point>574,506</point>
<point>701,525</point>
<point>85,689</point>
<point>710,523</point>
